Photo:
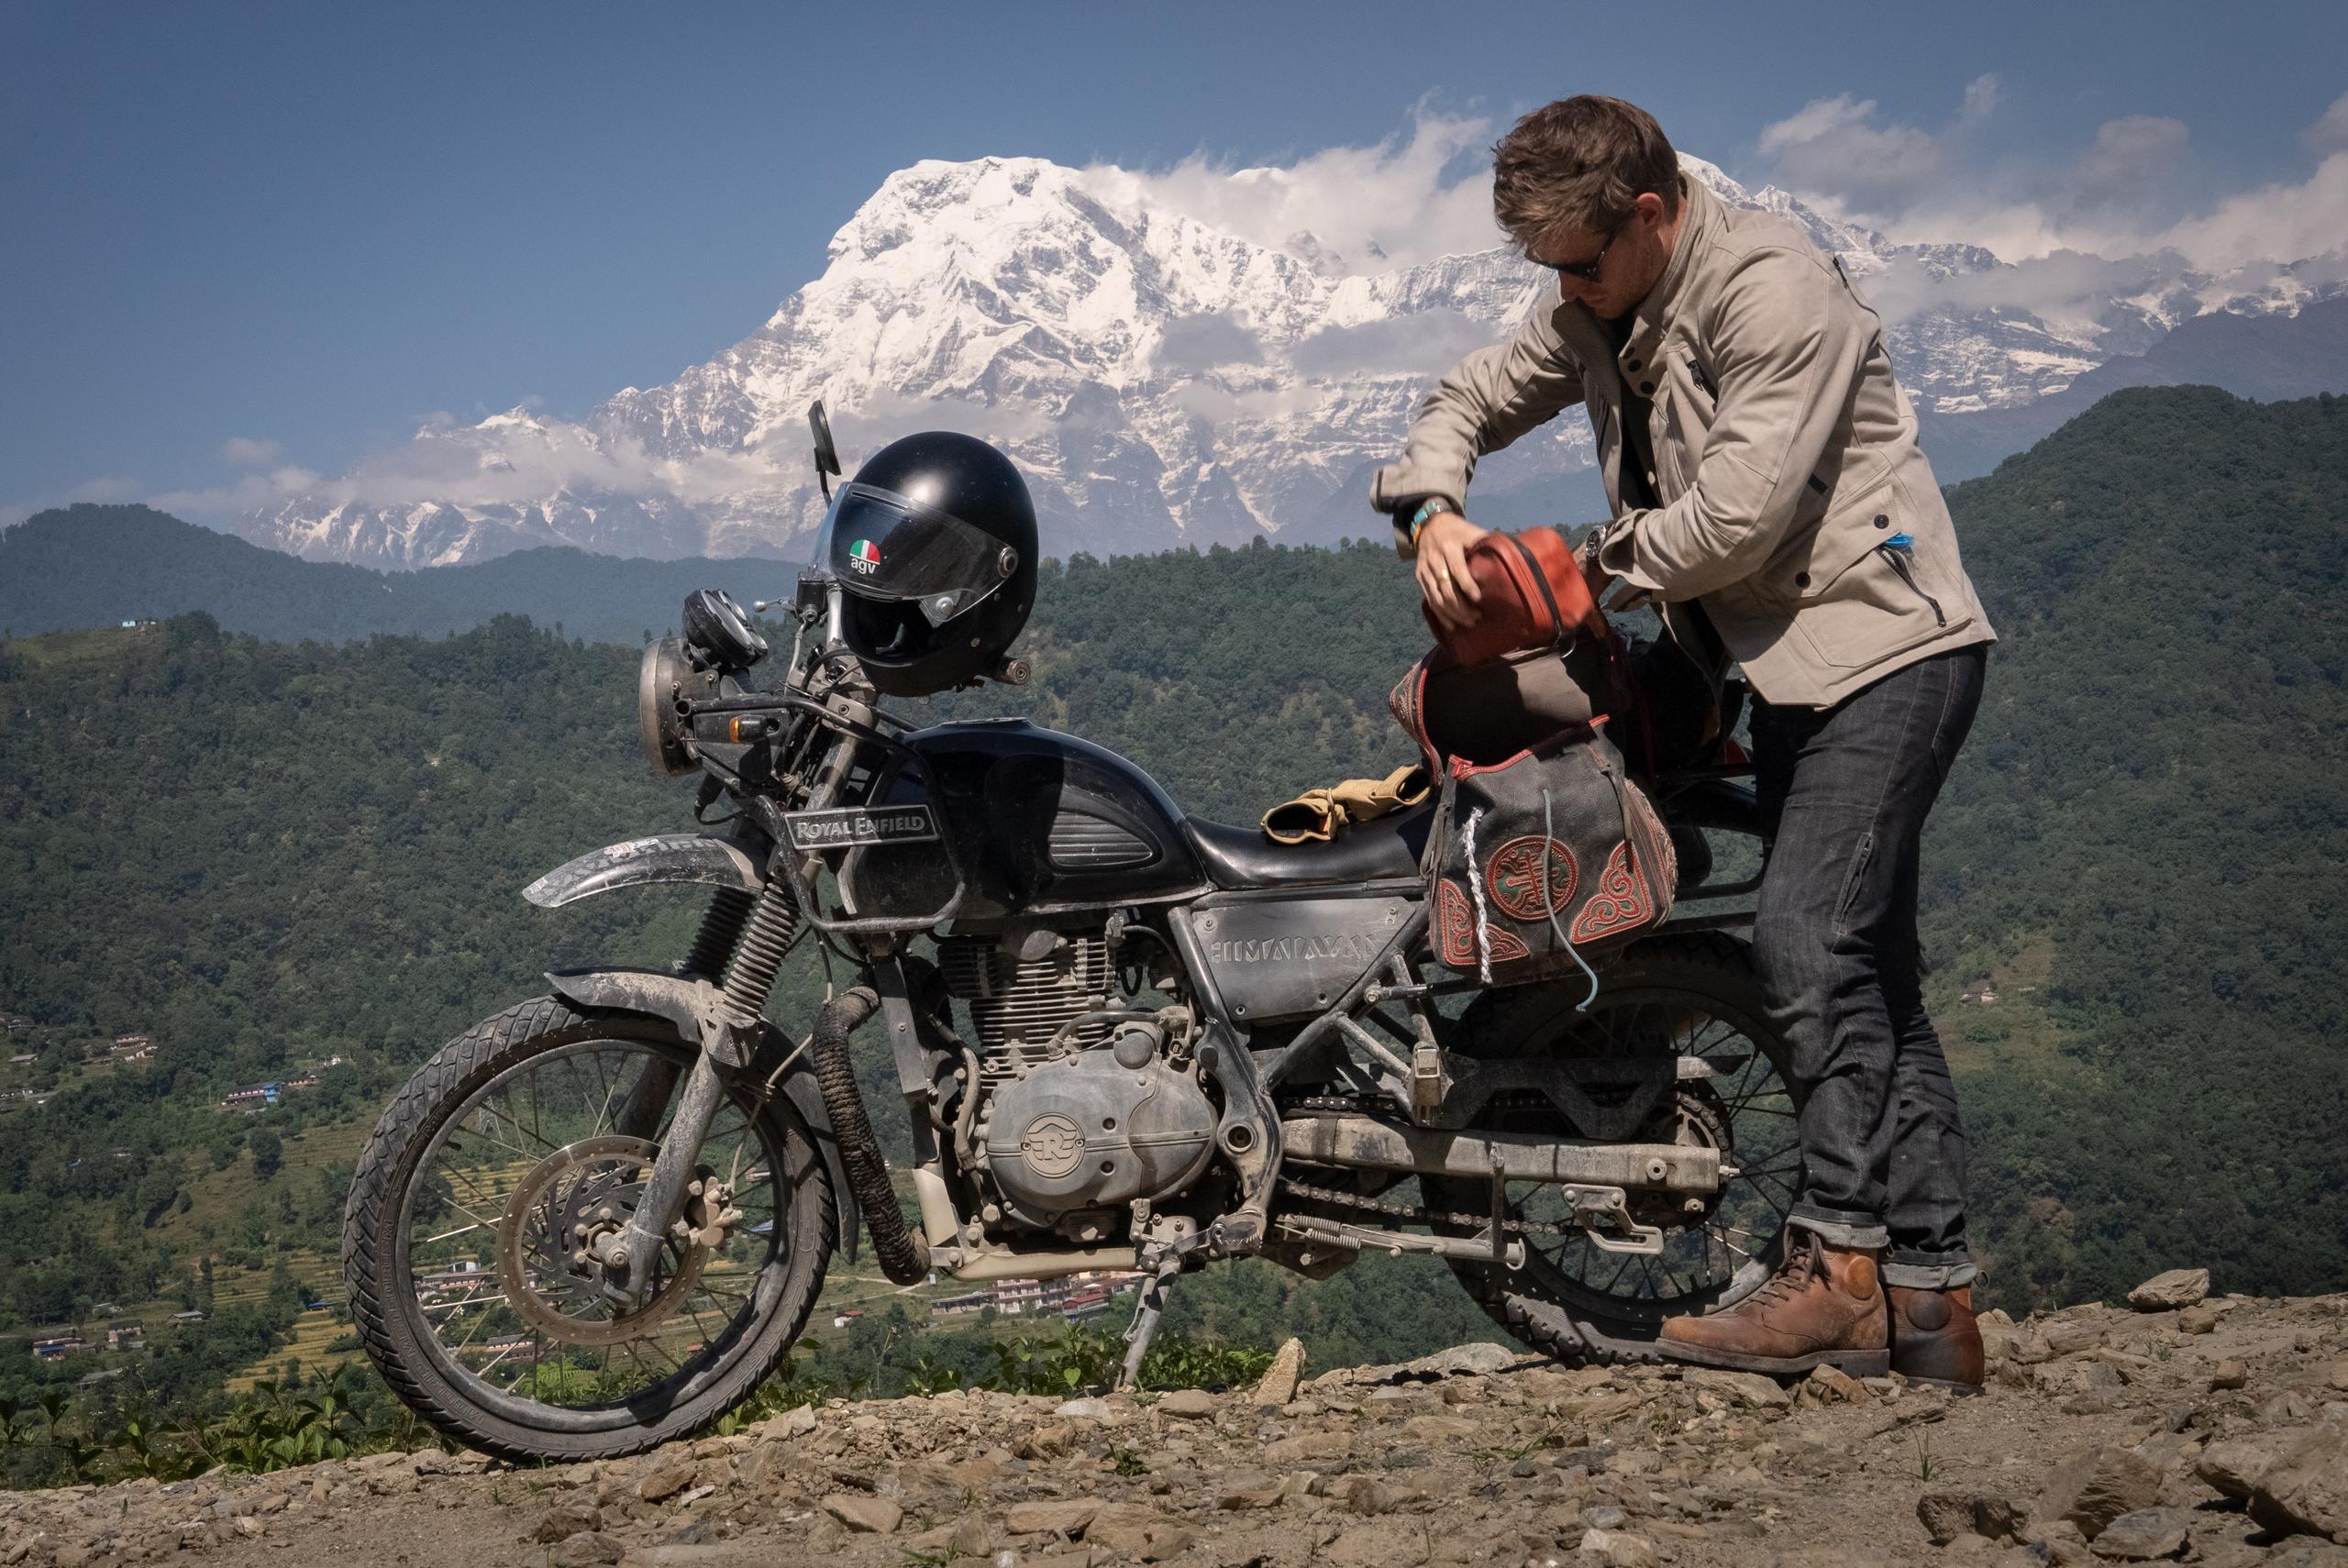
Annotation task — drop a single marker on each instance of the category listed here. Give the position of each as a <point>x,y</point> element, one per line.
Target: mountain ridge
<point>1160,381</point>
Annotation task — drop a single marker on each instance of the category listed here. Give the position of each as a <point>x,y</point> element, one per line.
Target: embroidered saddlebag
<point>1544,858</point>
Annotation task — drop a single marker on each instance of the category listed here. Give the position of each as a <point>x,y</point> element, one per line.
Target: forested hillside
<point>2151,827</point>
<point>100,566</point>
<point>268,855</point>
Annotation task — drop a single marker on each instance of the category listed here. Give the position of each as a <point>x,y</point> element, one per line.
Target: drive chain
<point>1416,1212</point>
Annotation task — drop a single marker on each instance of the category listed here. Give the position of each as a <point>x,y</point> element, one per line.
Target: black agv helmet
<point>935,543</point>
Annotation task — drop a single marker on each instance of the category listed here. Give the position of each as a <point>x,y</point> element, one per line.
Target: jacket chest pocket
<point>1684,407</point>
<point>1869,588</point>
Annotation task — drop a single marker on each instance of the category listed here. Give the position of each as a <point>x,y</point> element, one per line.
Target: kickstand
<point>1150,1309</point>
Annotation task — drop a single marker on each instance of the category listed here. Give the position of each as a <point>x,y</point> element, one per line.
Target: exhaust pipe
<point>904,1257</point>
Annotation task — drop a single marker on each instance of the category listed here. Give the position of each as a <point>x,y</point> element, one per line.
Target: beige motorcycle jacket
<point>1796,505</point>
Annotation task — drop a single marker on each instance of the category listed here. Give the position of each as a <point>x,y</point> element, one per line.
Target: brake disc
<point>546,1242</point>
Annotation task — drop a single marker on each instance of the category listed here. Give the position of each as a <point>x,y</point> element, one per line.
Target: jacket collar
<point>1700,212</point>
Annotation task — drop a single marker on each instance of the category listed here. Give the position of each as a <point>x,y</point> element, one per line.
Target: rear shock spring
<point>720,928</point>
<point>773,923</point>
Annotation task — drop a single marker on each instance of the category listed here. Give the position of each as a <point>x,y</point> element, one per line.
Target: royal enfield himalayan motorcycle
<point>1127,1040</point>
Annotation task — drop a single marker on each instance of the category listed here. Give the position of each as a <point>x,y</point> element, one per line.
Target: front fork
<point>749,937</point>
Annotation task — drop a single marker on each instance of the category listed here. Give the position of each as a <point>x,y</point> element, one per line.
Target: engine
<point>1074,1120</point>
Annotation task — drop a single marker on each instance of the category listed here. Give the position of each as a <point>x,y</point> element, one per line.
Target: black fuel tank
<point>1042,822</point>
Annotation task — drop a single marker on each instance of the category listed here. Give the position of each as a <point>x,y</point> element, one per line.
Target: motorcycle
<point>1127,1040</point>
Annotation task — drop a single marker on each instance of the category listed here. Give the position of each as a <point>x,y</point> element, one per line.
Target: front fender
<point>668,857</point>
<point>688,1003</point>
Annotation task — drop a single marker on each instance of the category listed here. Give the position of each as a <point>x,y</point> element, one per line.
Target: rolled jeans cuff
<point>1842,1230</point>
<point>1929,1271</point>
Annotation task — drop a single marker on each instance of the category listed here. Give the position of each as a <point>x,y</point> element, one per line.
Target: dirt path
<point>1468,1458</point>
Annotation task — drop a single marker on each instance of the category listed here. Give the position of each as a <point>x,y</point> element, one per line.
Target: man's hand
<point>1445,581</point>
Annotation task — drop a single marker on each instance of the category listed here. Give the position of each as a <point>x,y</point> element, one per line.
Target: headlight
<point>665,676</point>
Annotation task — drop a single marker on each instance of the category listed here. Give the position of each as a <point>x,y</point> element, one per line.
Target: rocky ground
<point>2213,1433</point>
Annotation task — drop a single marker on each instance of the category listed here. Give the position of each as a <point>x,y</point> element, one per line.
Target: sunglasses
<point>1585,271</point>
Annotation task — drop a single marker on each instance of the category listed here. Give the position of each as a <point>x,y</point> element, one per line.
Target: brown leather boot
<point>1934,1338</point>
<point>1824,1306</point>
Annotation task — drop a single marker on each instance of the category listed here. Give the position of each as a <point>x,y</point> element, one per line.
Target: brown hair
<point>1582,162</point>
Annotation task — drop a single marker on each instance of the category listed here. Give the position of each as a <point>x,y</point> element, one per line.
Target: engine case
<point>1092,1131</point>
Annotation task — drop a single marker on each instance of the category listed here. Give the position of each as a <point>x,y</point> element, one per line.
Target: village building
<point>57,1346</point>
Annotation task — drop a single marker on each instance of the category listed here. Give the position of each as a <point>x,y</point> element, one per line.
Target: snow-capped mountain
<point>1161,382</point>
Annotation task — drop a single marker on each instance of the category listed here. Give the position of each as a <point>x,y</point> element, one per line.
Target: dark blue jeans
<point>1848,787</point>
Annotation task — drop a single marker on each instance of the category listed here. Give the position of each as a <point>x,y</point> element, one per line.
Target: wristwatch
<point>1594,541</point>
<point>1434,506</point>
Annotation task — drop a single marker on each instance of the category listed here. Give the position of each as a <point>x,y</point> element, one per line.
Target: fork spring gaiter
<point>774,920</point>
<point>720,928</point>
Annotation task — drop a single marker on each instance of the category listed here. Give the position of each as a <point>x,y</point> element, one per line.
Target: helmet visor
<point>883,546</point>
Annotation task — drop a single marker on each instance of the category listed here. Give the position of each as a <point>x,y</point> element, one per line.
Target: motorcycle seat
<point>1383,847</point>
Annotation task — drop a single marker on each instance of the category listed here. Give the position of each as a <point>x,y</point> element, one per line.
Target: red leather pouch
<point>1533,596</point>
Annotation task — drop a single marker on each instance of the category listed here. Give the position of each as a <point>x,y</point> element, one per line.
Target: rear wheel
<point>517,1146</point>
<point>1668,998</point>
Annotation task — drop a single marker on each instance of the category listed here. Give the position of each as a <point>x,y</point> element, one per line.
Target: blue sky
<point>236,236</point>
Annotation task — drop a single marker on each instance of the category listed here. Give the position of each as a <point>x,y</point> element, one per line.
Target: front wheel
<point>466,1237</point>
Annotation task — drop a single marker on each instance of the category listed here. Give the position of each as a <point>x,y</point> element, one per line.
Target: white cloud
<point>1980,98</point>
<point>1408,344</point>
<point>1343,209</point>
<point>246,453</point>
<point>2278,222</point>
<point>248,492</point>
<point>2101,223</point>
<point>2330,133</point>
<point>2129,154</point>
<point>1833,148</point>
<point>1203,342</point>
<point>2063,287</point>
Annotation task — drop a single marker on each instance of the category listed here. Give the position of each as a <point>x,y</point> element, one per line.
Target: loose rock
<point>2294,1481</point>
<point>1948,1515</point>
<point>2094,1488</point>
<point>1620,1549</point>
<point>1277,1385</point>
<point>1380,1543</point>
<point>2143,1534</point>
<point>1064,1518</point>
<point>2179,1287</point>
<point>1748,1388</point>
<point>567,1518</point>
<point>869,1516</point>
<point>587,1550</point>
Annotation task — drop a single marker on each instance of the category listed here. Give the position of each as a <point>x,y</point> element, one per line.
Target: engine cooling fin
<point>1018,1005</point>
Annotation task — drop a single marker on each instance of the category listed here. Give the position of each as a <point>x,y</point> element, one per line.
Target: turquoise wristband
<point>1429,509</point>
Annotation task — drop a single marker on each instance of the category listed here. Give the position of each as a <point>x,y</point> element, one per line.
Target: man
<point>1768,495</point>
